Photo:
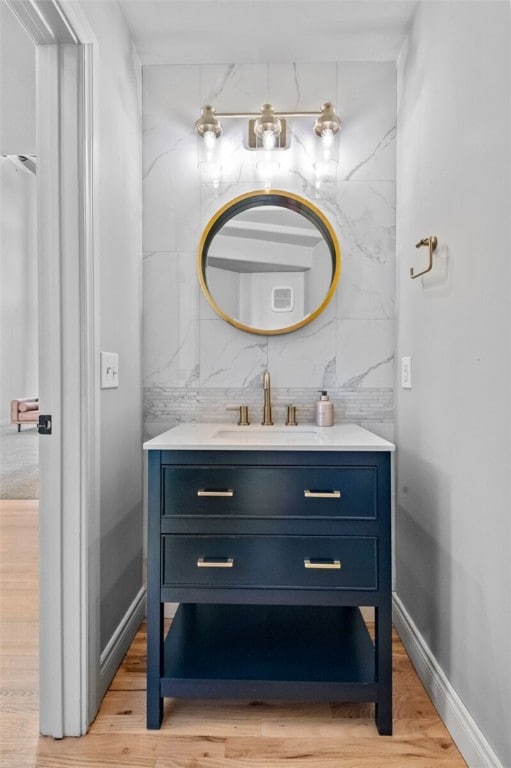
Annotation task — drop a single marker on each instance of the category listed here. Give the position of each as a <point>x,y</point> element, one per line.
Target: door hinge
<point>44,425</point>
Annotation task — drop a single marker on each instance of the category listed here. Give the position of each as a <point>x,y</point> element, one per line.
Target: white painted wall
<point>453,526</point>
<point>18,286</point>
<point>117,170</point>
<point>17,87</point>
<point>224,286</point>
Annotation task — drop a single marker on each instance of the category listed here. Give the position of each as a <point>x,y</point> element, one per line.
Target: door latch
<point>44,425</point>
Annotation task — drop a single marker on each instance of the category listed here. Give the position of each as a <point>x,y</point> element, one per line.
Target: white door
<point>69,638</point>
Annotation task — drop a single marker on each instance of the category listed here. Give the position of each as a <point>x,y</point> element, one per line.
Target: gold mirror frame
<point>278,198</point>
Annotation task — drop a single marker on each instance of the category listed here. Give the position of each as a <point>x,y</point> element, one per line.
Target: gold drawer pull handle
<point>332,564</point>
<point>322,494</point>
<point>206,492</point>
<point>219,562</point>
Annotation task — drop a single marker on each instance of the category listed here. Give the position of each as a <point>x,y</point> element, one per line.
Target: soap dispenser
<point>324,411</point>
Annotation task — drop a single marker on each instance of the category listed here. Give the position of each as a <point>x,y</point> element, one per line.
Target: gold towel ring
<point>432,243</point>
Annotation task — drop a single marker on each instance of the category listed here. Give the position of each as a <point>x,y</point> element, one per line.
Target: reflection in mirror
<point>269,263</point>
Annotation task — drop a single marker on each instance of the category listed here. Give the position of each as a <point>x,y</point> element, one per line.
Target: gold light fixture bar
<point>256,114</point>
<point>267,126</point>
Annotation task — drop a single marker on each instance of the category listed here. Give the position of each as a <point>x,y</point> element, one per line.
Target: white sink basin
<point>259,435</point>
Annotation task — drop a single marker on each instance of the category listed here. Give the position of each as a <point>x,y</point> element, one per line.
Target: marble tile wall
<point>195,364</point>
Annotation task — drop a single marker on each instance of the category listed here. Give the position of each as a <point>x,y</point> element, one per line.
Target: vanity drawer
<point>320,562</point>
<point>252,491</point>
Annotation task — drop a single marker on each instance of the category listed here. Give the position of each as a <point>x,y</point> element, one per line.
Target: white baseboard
<point>169,610</point>
<point>459,722</point>
<point>117,647</point>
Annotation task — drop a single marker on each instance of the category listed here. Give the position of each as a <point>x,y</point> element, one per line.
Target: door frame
<point>69,653</point>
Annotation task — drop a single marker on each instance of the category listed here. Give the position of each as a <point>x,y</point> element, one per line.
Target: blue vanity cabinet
<point>269,555</point>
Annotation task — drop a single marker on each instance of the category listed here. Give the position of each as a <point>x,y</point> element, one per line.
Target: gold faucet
<point>267,422</point>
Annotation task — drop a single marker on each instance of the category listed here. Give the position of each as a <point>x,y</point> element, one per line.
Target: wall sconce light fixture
<point>267,129</point>
<point>208,126</point>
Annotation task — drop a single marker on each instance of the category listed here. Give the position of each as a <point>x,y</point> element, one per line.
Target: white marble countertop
<point>222,437</point>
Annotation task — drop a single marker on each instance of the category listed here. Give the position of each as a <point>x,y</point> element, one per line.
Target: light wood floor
<point>195,734</point>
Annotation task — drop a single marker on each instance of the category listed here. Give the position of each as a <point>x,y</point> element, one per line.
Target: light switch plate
<point>109,370</point>
<point>406,372</point>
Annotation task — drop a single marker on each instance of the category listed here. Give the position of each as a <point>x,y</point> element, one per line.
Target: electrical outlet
<point>109,370</point>
<point>406,372</point>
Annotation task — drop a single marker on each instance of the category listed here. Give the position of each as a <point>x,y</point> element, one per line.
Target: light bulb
<point>209,139</point>
<point>268,139</point>
<point>327,138</point>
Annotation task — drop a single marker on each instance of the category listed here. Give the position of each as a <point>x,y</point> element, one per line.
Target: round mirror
<point>269,262</point>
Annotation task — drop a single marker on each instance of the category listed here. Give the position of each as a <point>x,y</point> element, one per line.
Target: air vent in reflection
<point>282,299</point>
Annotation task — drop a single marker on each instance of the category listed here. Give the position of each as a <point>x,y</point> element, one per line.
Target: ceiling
<point>276,31</point>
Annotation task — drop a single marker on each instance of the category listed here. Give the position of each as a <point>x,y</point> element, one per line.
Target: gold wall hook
<point>432,243</point>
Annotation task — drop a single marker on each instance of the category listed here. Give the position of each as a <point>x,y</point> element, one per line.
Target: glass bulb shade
<point>211,170</point>
<point>208,151</point>
<point>325,170</point>
<point>267,166</point>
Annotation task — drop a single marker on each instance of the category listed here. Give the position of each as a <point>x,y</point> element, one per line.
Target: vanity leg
<point>154,605</point>
<point>383,648</point>
<point>154,665</point>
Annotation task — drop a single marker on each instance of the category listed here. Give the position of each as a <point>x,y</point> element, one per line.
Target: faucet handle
<point>291,416</point>
<point>243,414</point>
